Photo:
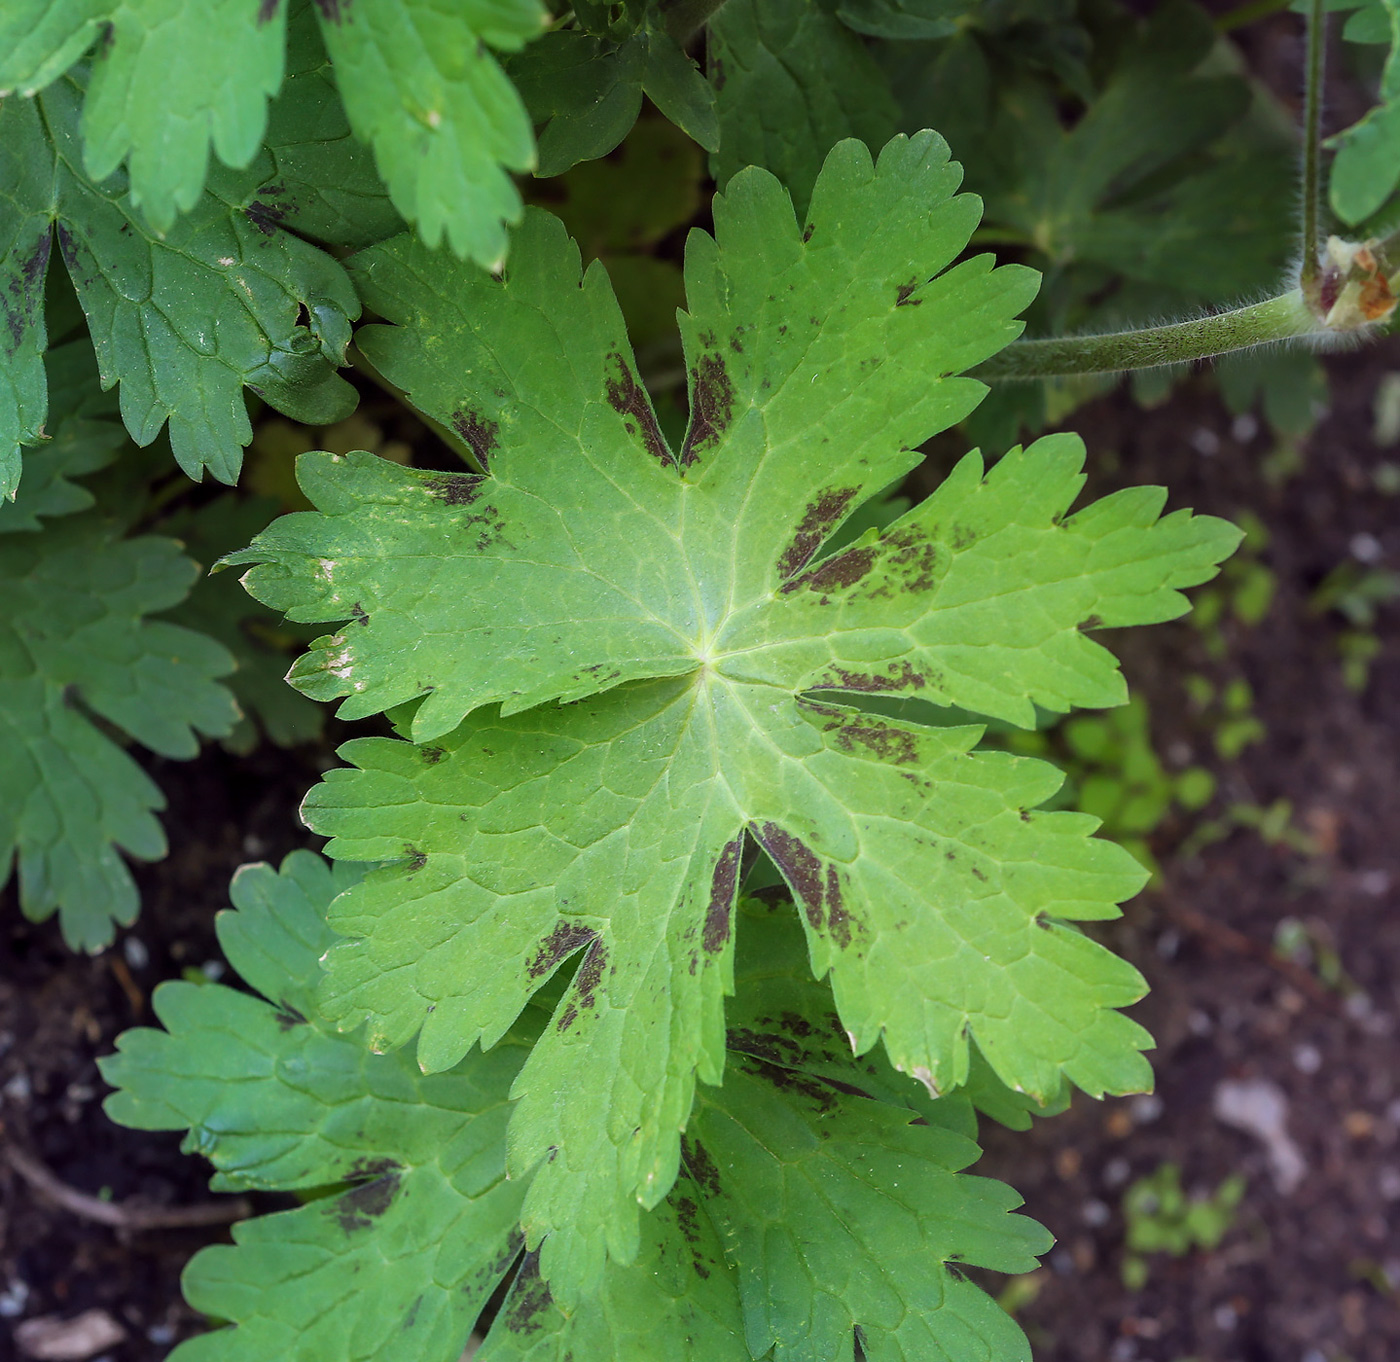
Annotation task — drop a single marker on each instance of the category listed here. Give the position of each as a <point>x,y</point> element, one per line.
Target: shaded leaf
<point>75,642</point>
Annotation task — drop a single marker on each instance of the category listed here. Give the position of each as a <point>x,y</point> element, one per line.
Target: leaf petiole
<point>1283,318</point>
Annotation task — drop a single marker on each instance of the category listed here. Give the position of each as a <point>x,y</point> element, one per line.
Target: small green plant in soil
<point>679,919</point>
<point>1162,1218</point>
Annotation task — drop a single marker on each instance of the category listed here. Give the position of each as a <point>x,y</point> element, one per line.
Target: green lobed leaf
<point>447,126</point>
<point>183,322</point>
<point>675,604</point>
<point>26,214</point>
<point>87,435</point>
<point>905,19</point>
<point>169,78</point>
<point>586,92</point>
<point>844,1212</point>
<point>1366,167</point>
<point>74,642</point>
<point>314,176</point>
<point>791,81</point>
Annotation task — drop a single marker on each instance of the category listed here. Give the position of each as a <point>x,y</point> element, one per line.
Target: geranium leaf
<point>706,656</point>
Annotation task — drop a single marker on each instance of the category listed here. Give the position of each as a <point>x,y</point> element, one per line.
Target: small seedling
<point>1162,1218</point>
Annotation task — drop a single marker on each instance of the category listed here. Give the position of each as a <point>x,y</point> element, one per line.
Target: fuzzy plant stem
<point>1312,146</point>
<point>1286,317</point>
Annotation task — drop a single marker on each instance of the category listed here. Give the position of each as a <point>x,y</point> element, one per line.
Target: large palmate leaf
<point>75,643</point>
<point>183,322</point>
<point>706,657</point>
<point>172,77</point>
<point>819,1193</point>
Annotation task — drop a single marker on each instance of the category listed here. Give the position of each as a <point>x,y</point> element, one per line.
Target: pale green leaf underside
<point>446,124</point>
<point>673,599</point>
<point>397,1266</point>
<point>72,607</point>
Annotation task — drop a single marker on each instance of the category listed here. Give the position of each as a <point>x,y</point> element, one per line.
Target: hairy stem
<point>1276,319</point>
<point>685,18</point>
<point>1312,147</point>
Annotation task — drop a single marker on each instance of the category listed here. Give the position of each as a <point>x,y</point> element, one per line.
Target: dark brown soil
<point>1311,1274</point>
<point>1308,1275</point>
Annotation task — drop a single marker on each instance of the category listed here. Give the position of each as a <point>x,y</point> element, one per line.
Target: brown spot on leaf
<point>267,11</point>
<point>798,865</point>
<point>700,1165</point>
<point>723,885</point>
<point>67,247</point>
<point>332,11</point>
<point>1092,622</point>
<point>482,435</point>
<point>432,755</point>
<point>822,515</point>
<point>807,232</point>
<point>26,292</point>
<point>561,943</point>
<point>838,920</point>
<point>358,1208</point>
<point>360,613</point>
<point>687,1213</point>
<point>265,215</point>
<point>287,1017</point>
<point>590,974</point>
<point>711,407</point>
<point>416,859</point>
<point>904,295</point>
<point>903,676</point>
<point>629,399</point>
<point>897,746</point>
<point>456,489</point>
<point>529,1298</point>
<point>834,573</point>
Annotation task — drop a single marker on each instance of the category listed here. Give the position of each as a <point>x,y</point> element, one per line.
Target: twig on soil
<point>1237,943</point>
<point>124,1215</point>
<point>123,975</point>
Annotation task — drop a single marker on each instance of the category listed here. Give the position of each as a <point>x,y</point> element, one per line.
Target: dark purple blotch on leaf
<point>822,516</point>
<point>711,407</point>
<point>628,398</point>
<point>481,434</point>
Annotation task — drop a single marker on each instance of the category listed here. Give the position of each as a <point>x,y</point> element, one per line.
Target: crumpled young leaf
<point>75,642</point>
<point>170,77</point>
<point>859,1167</point>
<point>183,322</point>
<point>704,656</point>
